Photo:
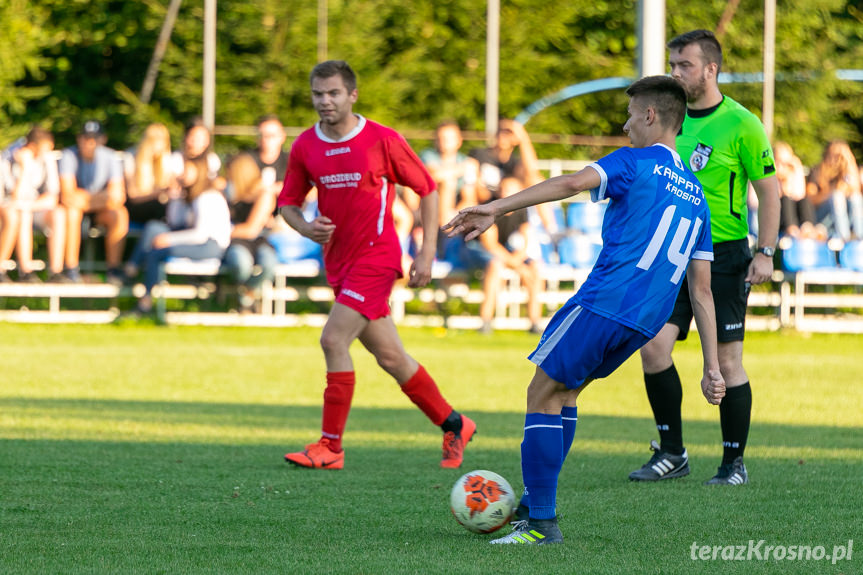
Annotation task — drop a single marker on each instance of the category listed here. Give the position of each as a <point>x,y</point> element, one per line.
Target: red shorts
<point>367,289</point>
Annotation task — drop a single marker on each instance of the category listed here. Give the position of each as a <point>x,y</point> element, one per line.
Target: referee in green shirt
<point>726,147</point>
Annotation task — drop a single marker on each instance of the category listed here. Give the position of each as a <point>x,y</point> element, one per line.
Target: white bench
<point>182,267</point>
<point>275,296</point>
<point>802,299</point>
<point>55,293</point>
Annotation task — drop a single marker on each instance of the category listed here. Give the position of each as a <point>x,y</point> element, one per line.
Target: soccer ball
<point>482,501</point>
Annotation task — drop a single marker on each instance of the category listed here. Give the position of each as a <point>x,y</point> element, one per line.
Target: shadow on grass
<point>406,421</point>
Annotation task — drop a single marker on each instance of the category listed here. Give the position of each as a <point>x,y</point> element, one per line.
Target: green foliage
<point>418,63</point>
<point>21,38</point>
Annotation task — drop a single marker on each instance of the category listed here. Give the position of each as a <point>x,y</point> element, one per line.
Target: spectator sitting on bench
<point>149,175</point>
<point>91,182</point>
<point>506,243</point>
<point>834,188</point>
<point>250,259</point>
<point>270,156</point>
<point>199,228</point>
<point>797,214</point>
<point>456,177</point>
<point>198,143</point>
<point>511,161</point>
<point>33,189</point>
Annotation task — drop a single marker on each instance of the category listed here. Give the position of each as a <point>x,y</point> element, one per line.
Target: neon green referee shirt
<point>726,147</point>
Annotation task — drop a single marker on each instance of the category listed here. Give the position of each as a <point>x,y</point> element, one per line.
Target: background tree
<point>22,37</point>
<point>418,61</point>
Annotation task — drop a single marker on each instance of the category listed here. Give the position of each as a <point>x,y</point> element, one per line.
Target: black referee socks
<point>665,395</point>
<point>735,412</point>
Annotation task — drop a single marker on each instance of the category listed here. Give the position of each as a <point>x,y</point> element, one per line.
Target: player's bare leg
<point>382,340</point>
<point>344,325</point>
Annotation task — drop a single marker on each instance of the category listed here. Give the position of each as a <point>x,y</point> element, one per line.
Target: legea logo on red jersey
<point>345,180</point>
<point>337,151</point>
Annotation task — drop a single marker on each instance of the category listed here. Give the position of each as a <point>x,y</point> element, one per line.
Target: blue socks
<point>569,417</point>
<point>541,460</point>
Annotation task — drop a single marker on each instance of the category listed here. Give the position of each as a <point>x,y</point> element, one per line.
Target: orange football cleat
<point>318,456</point>
<point>453,445</point>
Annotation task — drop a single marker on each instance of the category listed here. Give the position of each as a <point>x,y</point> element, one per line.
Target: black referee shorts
<point>730,293</point>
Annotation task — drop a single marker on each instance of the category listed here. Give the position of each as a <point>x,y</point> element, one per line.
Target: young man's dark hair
<point>666,94</point>
<point>710,46</point>
<point>332,68</point>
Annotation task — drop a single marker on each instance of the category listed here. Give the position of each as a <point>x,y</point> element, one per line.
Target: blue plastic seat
<point>559,216</point>
<point>579,251</point>
<point>585,217</point>
<point>807,255</point>
<point>851,256</point>
<point>547,251</point>
<point>292,247</point>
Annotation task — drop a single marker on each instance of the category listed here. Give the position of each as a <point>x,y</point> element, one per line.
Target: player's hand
<point>321,229</point>
<point>420,272</point>
<point>470,221</point>
<point>713,386</point>
<point>760,269</point>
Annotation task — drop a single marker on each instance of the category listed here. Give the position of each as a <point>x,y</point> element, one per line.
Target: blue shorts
<point>578,345</point>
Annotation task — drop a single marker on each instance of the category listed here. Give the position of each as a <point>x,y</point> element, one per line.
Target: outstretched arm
<point>698,278</point>
<point>475,220</point>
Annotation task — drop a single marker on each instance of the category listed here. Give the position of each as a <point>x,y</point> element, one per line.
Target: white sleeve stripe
<point>598,194</point>
<point>702,255</point>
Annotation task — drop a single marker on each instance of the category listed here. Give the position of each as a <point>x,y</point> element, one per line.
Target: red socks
<point>423,391</point>
<point>337,406</point>
<point>420,388</point>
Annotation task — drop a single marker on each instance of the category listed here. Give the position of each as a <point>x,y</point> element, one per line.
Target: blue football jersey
<point>657,220</point>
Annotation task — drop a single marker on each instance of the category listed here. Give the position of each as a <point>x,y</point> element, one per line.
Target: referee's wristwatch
<point>767,251</point>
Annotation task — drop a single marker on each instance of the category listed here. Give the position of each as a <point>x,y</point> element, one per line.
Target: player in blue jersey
<point>656,230</point>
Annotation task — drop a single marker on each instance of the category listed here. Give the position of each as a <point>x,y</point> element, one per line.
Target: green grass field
<point>159,450</point>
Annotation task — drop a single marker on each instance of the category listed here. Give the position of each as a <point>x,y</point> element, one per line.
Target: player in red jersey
<point>355,164</point>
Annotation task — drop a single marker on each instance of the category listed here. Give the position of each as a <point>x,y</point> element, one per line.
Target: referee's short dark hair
<point>705,39</point>
<point>665,95</point>
<point>332,68</point>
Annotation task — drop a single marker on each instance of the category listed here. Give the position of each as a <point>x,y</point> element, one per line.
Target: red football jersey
<point>355,178</point>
